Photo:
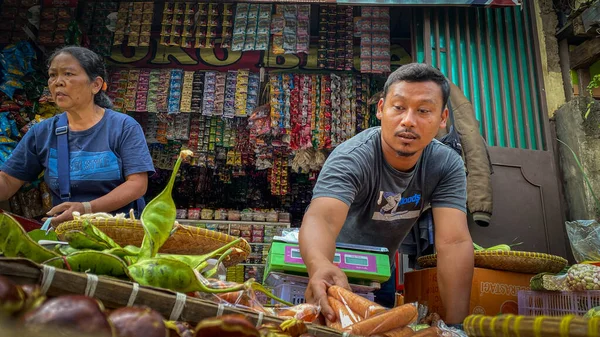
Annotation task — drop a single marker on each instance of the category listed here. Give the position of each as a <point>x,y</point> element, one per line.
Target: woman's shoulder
<point>119,118</point>
<point>46,126</point>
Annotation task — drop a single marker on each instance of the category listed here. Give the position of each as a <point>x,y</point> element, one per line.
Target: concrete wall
<point>583,136</point>
<point>546,22</point>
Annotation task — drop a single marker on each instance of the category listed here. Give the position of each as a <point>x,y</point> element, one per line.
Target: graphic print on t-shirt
<point>87,165</point>
<point>392,206</point>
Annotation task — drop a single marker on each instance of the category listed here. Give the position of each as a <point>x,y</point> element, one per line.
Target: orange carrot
<point>334,325</point>
<point>356,303</point>
<point>400,332</point>
<point>344,315</point>
<point>397,317</point>
<point>305,312</point>
<point>429,332</point>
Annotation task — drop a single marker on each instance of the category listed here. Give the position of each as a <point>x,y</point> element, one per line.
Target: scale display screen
<point>295,253</point>
<point>356,260</point>
<point>358,265</point>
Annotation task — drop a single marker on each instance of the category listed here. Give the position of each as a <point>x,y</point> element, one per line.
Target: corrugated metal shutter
<point>488,52</point>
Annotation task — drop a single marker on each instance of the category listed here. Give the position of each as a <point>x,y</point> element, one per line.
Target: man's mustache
<point>407,133</point>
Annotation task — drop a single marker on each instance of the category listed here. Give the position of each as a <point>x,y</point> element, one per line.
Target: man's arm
<point>321,225</point>
<point>9,185</point>
<point>454,248</point>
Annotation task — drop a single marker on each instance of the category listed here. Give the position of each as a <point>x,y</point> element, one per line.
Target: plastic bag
<point>247,299</point>
<point>584,236</point>
<point>549,282</point>
<point>582,277</point>
<point>359,316</point>
<point>445,331</point>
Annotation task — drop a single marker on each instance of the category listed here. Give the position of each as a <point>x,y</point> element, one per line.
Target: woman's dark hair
<point>93,65</point>
<point>419,72</point>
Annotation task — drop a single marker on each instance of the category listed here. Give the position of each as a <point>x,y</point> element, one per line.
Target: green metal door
<point>492,54</point>
<point>489,53</point>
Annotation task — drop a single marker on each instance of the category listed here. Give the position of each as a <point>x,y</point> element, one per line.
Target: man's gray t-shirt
<point>384,202</point>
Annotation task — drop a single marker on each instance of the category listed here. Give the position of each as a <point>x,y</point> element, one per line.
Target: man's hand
<point>320,227</point>
<point>66,210</point>
<point>325,276</point>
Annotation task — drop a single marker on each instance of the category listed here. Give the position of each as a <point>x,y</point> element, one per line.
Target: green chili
<point>128,251</point>
<point>159,216</point>
<point>96,233</point>
<point>14,242</point>
<point>94,262</point>
<point>212,271</point>
<point>80,240</point>
<point>172,274</point>
<point>65,249</point>
<point>251,284</point>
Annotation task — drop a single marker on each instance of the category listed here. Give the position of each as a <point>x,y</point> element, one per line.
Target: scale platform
<point>275,279</point>
<point>362,264</point>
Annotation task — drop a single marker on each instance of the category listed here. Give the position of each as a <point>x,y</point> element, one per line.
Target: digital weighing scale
<point>360,263</point>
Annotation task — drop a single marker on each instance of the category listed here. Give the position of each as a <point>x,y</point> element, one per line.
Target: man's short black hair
<point>418,72</point>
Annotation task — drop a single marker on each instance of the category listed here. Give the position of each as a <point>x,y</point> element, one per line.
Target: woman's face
<point>70,85</point>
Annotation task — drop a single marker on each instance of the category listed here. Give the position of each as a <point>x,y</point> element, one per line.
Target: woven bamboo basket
<point>531,326</point>
<point>515,261</point>
<point>187,240</point>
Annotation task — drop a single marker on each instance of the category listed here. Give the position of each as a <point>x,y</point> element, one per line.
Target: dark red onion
<point>137,321</point>
<point>77,313</point>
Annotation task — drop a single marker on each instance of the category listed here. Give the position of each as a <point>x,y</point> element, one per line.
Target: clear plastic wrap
<point>582,277</point>
<point>247,299</point>
<point>359,316</point>
<point>549,282</point>
<point>584,236</point>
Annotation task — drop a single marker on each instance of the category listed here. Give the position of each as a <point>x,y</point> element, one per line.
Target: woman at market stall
<point>94,159</point>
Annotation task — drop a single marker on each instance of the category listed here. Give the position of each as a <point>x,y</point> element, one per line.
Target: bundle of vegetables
<point>550,281</point>
<point>359,316</point>
<point>77,315</point>
<point>593,312</point>
<point>92,251</point>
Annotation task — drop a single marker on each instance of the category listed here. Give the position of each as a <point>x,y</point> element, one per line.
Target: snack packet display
<point>15,17</point>
<point>186,92</point>
<point>141,99</point>
<point>290,29</point>
<point>131,94</point>
<point>175,88</point>
<point>374,30</point>
<point>230,94</point>
<point>98,26</point>
<point>251,27</point>
<point>336,32</point>
<point>16,61</point>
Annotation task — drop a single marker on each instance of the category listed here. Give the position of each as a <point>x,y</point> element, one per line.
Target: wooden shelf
<point>251,264</point>
<point>227,222</point>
